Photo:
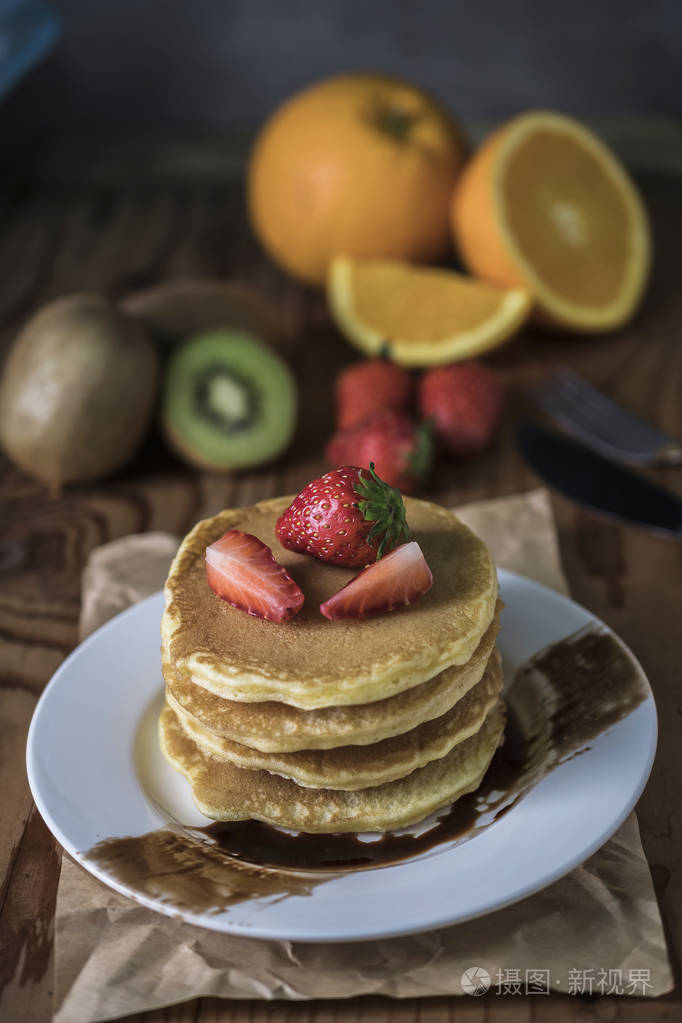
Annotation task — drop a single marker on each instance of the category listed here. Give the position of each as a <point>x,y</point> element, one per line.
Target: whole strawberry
<point>400,450</point>
<point>463,402</point>
<point>348,516</point>
<point>374,385</point>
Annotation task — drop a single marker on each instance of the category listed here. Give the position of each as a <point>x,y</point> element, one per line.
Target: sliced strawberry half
<point>400,578</point>
<point>241,569</point>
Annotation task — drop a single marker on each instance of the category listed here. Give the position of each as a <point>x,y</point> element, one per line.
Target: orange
<point>426,316</point>
<point>545,204</point>
<point>357,165</point>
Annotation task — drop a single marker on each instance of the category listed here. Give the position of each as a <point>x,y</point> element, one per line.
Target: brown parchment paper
<point>596,929</point>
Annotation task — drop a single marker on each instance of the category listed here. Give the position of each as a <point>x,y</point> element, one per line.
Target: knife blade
<point>597,483</point>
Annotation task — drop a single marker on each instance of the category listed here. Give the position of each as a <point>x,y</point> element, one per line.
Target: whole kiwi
<point>77,391</point>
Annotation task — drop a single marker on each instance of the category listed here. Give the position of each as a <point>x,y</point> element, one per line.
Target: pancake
<point>225,792</point>
<point>309,662</point>
<point>357,767</point>
<point>274,727</point>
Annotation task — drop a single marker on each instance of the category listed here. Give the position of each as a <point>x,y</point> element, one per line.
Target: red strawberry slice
<point>241,569</point>
<point>400,578</point>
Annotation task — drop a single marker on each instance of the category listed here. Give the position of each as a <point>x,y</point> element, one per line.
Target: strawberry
<point>400,578</point>
<point>348,516</point>
<point>463,403</point>
<point>375,385</point>
<point>241,569</point>
<point>400,450</point>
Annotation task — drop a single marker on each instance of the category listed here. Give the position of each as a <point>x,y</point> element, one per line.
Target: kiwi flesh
<point>229,401</point>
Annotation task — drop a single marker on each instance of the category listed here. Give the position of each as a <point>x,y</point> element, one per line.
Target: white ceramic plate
<point>96,772</point>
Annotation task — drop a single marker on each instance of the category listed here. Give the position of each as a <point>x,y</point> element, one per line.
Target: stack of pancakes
<point>356,725</point>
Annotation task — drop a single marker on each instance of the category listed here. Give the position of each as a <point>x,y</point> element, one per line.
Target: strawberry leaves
<point>383,506</point>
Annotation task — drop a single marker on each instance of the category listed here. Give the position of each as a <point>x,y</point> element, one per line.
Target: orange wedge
<point>426,316</point>
<point>545,204</point>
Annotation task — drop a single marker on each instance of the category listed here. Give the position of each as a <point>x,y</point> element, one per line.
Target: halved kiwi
<point>229,401</point>
<point>184,306</point>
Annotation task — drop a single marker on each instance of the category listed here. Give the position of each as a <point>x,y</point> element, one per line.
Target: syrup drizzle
<point>558,703</point>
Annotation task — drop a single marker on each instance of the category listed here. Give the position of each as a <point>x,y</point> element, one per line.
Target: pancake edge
<point>441,790</point>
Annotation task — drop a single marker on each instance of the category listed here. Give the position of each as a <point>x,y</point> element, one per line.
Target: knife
<point>597,483</point>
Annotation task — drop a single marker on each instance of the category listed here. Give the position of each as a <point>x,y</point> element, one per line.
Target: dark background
<point>206,67</point>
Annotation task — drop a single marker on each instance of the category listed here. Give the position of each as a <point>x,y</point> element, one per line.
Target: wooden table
<point>129,217</point>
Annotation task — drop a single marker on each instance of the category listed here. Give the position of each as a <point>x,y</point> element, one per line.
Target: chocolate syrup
<point>558,702</point>
<point>254,842</point>
<point>174,867</point>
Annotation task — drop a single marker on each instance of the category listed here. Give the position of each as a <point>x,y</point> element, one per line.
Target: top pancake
<point>308,661</point>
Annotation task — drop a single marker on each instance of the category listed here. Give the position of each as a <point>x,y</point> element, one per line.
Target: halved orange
<point>545,204</point>
<point>425,316</point>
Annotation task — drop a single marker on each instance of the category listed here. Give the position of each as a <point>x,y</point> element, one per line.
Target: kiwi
<point>77,391</point>
<point>229,402</point>
<point>177,309</point>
